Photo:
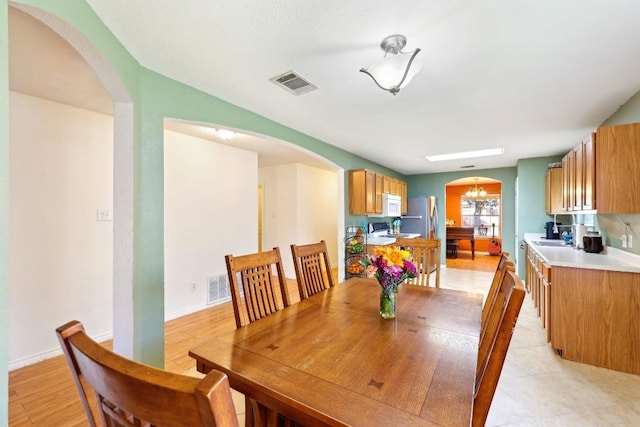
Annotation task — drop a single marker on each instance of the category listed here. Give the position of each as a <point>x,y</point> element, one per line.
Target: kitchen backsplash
<point>612,227</point>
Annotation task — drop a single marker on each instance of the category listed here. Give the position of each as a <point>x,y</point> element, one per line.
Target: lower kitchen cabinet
<point>538,282</point>
<point>596,317</point>
<point>588,316</point>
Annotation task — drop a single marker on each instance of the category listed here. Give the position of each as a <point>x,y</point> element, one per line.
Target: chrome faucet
<point>555,223</point>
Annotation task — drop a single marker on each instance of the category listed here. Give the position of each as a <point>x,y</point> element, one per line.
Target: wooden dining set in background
<point>327,360</point>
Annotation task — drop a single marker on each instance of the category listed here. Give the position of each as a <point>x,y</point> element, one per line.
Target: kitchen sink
<point>550,243</point>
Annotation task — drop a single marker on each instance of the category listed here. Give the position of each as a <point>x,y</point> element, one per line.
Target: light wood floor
<point>481,262</point>
<point>536,388</point>
<point>44,394</point>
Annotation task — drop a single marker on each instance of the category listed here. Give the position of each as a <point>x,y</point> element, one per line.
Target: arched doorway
<point>473,208</point>
<point>67,96</point>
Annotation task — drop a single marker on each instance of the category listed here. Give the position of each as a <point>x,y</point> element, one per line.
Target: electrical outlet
<point>104,215</point>
<point>193,286</point>
<point>623,238</point>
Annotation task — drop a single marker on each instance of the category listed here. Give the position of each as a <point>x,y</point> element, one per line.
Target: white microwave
<point>391,205</point>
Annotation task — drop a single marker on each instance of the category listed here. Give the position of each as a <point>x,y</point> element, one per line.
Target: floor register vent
<point>293,82</point>
<point>218,289</point>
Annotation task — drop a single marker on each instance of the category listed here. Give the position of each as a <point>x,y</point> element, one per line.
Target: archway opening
<point>473,223</point>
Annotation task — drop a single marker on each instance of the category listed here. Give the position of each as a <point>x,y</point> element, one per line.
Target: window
<point>481,213</point>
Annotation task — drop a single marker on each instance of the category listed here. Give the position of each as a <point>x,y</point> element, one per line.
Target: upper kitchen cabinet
<point>403,194</point>
<point>578,176</point>
<point>617,158</point>
<point>366,189</point>
<point>589,173</point>
<point>553,191</point>
<point>363,194</point>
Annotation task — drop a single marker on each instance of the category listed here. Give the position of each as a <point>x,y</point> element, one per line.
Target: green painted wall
<point>434,185</point>
<point>4,213</point>
<point>629,112</point>
<point>531,195</point>
<point>155,97</point>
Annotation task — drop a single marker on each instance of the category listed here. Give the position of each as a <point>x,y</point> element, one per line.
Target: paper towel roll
<point>581,231</point>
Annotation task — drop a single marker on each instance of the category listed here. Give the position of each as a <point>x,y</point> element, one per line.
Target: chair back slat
<point>264,291</point>
<point>313,269</point>
<point>426,256</point>
<point>122,392</point>
<point>503,264</point>
<point>501,322</point>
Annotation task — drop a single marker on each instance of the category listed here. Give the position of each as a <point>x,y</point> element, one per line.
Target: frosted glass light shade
<point>394,71</point>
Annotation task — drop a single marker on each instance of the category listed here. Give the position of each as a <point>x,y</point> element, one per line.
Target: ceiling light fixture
<point>476,191</point>
<point>394,71</point>
<point>226,134</point>
<point>466,154</point>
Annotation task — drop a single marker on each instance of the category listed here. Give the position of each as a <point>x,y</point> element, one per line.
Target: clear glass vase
<point>387,303</point>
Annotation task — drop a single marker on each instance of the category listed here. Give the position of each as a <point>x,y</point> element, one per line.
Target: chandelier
<point>394,71</point>
<point>476,191</point>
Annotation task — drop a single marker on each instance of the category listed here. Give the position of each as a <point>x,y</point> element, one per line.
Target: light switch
<point>104,215</point>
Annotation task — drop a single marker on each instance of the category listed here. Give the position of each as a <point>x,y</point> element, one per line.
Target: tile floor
<point>537,387</point>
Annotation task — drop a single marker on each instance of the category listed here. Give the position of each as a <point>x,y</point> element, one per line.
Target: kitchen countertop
<point>611,259</point>
<point>383,239</point>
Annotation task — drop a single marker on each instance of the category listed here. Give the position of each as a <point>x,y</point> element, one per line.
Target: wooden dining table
<point>332,360</point>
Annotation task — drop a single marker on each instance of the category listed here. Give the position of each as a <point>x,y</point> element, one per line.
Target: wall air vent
<point>293,82</point>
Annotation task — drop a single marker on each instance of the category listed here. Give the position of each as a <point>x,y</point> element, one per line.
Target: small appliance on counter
<point>552,231</point>
<point>578,232</point>
<point>592,243</point>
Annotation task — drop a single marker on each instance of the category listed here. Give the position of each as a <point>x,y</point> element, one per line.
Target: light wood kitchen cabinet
<point>617,173</point>
<point>386,184</point>
<point>403,194</point>
<point>596,317</point>
<point>394,187</point>
<point>579,173</point>
<point>378,192</point>
<point>366,188</point>
<point>362,193</point>
<point>538,282</point>
<point>589,173</point>
<point>567,185</point>
<point>553,191</point>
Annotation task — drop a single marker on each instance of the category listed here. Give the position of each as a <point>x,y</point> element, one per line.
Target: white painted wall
<point>211,210</point>
<point>61,257</point>
<point>300,205</point>
<point>60,265</point>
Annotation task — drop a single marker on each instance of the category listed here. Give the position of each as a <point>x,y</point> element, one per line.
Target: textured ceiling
<point>532,76</point>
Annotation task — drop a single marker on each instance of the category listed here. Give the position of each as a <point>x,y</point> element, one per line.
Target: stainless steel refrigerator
<point>421,217</point>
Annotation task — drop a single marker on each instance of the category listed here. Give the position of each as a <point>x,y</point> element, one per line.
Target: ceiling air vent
<point>467,166</point>
<point>293,82</point>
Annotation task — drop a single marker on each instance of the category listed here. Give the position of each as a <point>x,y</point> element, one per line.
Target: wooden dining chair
<point>313,269</point>
<point>504,264</point>
<point>122,392</point>
<point>492,351</point>
<point>426,255</point>
<point>263,292</point>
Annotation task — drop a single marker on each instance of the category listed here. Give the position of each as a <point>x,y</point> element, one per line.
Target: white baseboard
<point>54,352</point>
<point>49,354</point>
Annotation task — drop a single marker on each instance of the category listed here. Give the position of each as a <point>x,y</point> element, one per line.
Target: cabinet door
<point>370,192</point>
<point>569,181</point>
<point>403,194</point>
<point>386,184</point>
<point>553,191</point>
<point>577,178</point>
<point>378,193</point>
<point>588,172</point>
<point>618,168</point>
